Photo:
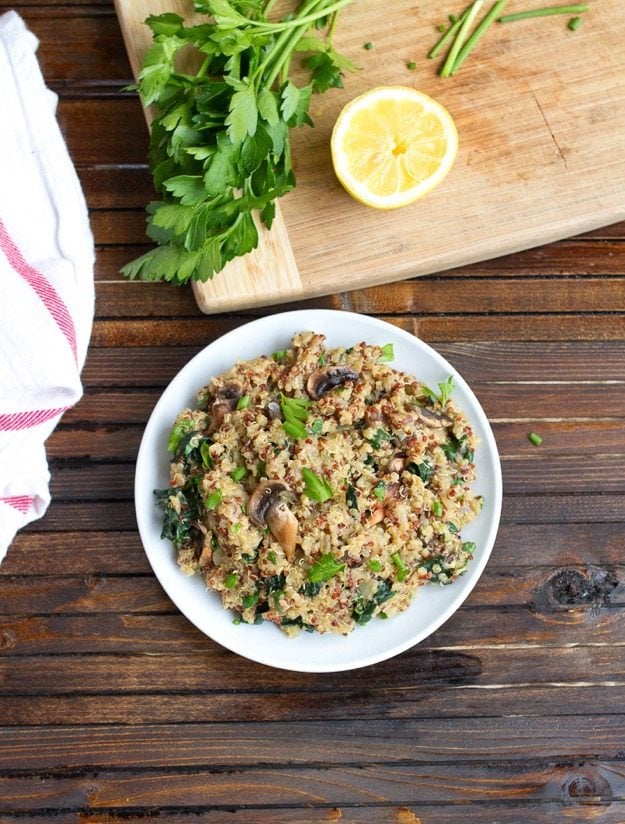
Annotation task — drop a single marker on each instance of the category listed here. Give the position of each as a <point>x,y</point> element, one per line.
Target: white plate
<point>311,652</point>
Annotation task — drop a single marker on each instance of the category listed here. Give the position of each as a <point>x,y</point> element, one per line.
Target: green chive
<point>448,34</point>
<point>437,509</point>
<point>243,402</point>
<point>230,581</point>
<point>400,566</point>
<point>411,65</point>
<point>574,23</point>
<point>543,12</point>
<point>375,565</point>
<point>239,473</point>
<point>368,45</point>
<point>450,60</point>
<point>486,22</point>
<point>535,439</point>
<point>214,499</point>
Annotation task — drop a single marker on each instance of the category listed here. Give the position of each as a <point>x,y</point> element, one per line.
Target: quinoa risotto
<point>317,488</point>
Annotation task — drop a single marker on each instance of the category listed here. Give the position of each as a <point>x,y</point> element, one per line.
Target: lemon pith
<point>392,145</point>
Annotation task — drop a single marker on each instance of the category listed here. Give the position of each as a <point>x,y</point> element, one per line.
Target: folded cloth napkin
<point>46,279</point>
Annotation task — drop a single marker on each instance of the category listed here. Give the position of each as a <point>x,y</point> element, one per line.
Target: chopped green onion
<point>543,12</point>
<point>250,600</point>
<point>380,491</point>
<point>387,352</point>
<point>315,487</point>
<point>243,402</point>
<point>239,473</point>
<point>411,65</point>
<point>460,38</point>
<point>295,429</point>
<point>574,23</point>
<point>368,45</point>
<point>375,565</point>
<point>280,355</point>
<point>437,509</point>
<point>214,499</point>
<point>448,34</point>
<point>400,566</point>
<point>230,581</point>
<point>535,439</point>
<point>485,23</point>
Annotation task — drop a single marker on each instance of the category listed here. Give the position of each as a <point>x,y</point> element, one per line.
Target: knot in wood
<point>586,785</point>
<point>575,588</point>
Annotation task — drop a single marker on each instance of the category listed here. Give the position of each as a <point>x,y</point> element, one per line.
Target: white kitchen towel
<point>46,279</point>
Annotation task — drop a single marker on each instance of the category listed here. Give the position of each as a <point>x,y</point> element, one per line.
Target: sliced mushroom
<point>267,508</point>
<point>397,462</point>
<point>225,401</point>
<point>273,410</point>
<point>322,380</point>
<point>435,420</point>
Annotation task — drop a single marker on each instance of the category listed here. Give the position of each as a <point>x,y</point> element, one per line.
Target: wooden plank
<point>456,700</point>
<point>368,784</point>
<point>472,628</point>
<point>409,813</point>
<point>388,741</point>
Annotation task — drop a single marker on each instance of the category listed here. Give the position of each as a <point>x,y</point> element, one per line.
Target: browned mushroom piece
<point>435,420</point>
<point>397,463</point>
<point>226,400</point>
<point>266,508</point>
<point>322,380</point>
<point>273,410</point>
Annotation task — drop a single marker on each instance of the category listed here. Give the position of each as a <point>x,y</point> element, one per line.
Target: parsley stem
<point>486,22</point>
<point>447,35</point>
<point>312,17</point>
<point>543,12</point>
<point>460,38</point>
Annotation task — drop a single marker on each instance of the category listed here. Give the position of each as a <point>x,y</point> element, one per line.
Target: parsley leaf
<point>315,487</point>
<point>220,141</point>
<point>325,568</point>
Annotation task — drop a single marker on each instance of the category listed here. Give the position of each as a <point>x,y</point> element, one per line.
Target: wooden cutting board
<point>540,111</point>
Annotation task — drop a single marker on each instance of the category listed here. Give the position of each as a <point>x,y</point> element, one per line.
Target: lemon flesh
<point>392,145</point>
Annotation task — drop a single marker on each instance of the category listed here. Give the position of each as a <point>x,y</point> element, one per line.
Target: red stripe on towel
<point>41,286</point>
<point>26,420</point>
<point>20,502</point>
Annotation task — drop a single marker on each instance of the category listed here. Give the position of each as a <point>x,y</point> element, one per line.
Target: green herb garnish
<point>182,427</point>
<point>444,391</point>
<point>231,580</point>
<point>238,473</point>
<point>375,565</point>
<point>424,470</point>
<point>243,402</point>
<point>380,436</point>
<point>214,499</point>
<point>316,487</point>
<point>295,413</point>
<point>545,11</point>
<point>535,439</point>
<point>402,569</point>
<point>387,352</point>
<point>220,142</point>
<point>379,491</point>
<point>207,461</point>
<point>325,568</point>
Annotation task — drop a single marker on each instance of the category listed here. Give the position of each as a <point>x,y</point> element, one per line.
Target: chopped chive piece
<point>230,581</point>
<point>400,566</point>
<point>368,45</point>
<point>239,473</point>
<point>279,355</point>
<point>411,65</point>
<point>214,499</point>
<point>250,600</point>
<point>535,439</point>
<point>380,491</point>
<point>543,12</point>
<point>437,509</point>
<point>448,34</point>
<point>485,23</point>
<point>574,23</point>
<point>375,565</point>
<point>243,402</point>
<point>207,461</point>
<point>460,38</point>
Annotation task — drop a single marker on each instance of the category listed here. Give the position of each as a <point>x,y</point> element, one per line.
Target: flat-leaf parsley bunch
<point>219,146</point>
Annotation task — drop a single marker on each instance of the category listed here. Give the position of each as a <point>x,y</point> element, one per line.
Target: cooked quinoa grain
<point>317,488</point>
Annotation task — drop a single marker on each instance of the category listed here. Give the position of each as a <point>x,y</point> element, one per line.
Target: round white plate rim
<point>322,653</point>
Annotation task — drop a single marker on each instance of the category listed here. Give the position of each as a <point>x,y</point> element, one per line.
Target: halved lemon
<point>393,145</point>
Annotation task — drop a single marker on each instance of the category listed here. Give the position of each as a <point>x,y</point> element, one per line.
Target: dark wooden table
<point>113,708</point>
